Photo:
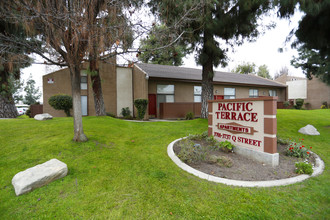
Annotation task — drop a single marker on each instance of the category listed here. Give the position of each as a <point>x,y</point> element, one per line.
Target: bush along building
<point>172,91</point>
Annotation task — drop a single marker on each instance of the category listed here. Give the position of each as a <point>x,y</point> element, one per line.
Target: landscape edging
<point>317,170</point>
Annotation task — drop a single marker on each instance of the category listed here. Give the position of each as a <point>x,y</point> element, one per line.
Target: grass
<point>123,172</point>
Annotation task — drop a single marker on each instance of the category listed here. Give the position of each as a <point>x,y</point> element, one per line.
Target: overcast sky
<point>263,51</point>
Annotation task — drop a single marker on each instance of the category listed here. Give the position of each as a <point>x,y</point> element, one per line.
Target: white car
<point>21,109</point>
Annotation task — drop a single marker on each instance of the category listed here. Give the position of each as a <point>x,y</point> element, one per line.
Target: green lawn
<point>123,172</point>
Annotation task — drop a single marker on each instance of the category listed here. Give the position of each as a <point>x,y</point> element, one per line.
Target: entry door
<point>152,104</point>
<point>84,109</point>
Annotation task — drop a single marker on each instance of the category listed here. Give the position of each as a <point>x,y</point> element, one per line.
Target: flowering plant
<point>297,149</point>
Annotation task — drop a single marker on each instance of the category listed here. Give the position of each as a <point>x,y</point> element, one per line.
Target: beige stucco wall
<point>140,86</point>
<point>124,89</point>
<point>243,91</point>
<point>62,84</point>
<point>317,92</point>
<point>183,91</point>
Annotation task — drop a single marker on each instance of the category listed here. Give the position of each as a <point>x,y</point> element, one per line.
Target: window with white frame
<point>83,80</point>
<point>229,93</point>
<point>197,94</point>
<point>272,93</point>
<point>253,93</point>
<point>165,93</point>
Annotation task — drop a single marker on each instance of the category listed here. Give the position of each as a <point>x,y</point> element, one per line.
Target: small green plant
<point>126,112</point>
<point>128,117</point>
<point>325,104</point>
<point>227,146</point>
<point>198,137</point>
<point>222,161</point>
<point>190,116</point>
<point>323,107</point>
<point>61,102</point>
<point>191,152</point>
<point>141,106</point>
<point>304,168</point>
<point>111,115</point>
<point>297,149</point>
<point>286,104</point>
<point>299,103</point>
<point>283,141</point>
<point>28,112</point>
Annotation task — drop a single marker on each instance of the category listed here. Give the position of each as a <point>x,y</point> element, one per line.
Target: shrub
<point>282,141</point>
<point>110,115</point>
<point>222,161</point>
<point>190,116</point>
<point>126,112</point>
<point>325,104</point>
<point>190,152</point>
<point>141,106</point>
<point>227,146</point>
<point>323,107</point>
<point>61,102</point>
<point>297,150</point>
<point>299,103</point>
<point>199,137</point>
<point>286,104</point>
<point>304,168</point>
<point>28,112</point>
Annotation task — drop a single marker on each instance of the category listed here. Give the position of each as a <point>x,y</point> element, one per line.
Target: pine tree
<point>228,20</point>
<point>313,36</point>
<point>32,93</point>
<point>156,48</point>
<point>12,59</point>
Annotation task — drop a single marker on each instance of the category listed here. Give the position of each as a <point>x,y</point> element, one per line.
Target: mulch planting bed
<point>243,168</point>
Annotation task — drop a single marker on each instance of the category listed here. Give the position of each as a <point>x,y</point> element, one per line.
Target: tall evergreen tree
<point>157,48</point>
<point>12,59</point>
<point>32,92</point>
<point>228,20</point>
<point>313,36</point>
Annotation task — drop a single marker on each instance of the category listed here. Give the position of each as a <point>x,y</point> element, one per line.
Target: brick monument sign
<point>249,124</point>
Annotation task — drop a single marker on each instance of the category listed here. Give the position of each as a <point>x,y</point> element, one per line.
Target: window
<point>165,93</point>
<point>272,93</point>
<point>229,93</point>
<point>253,93</point>
<point>197,94</point>
<point>83,82</point>
<point>84,103</point>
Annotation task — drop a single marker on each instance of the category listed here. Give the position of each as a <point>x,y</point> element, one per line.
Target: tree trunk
<point>7,104</point>
<point>207,87</point>
<point>7,107</point>
<point>97,87</point>
<point>207,75</point>
<point>79,135</point>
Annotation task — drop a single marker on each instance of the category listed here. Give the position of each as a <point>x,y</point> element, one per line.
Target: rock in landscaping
<point>41,117</point>
<point>309,130</point>
<point>39,176</point>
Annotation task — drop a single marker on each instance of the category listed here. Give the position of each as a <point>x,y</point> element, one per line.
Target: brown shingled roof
<point>191,74</point>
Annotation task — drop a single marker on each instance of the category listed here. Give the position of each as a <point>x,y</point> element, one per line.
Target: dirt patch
<point>243,168</point>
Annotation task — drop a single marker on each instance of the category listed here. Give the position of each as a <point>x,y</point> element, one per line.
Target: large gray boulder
<point>309,130</point>
<point>39,176</point>
<point>44,116</point>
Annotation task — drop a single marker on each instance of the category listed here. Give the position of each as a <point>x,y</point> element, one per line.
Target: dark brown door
<point>152,104</point>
